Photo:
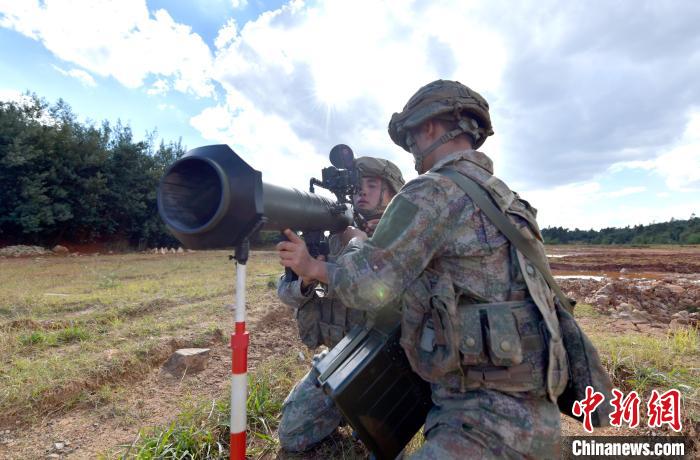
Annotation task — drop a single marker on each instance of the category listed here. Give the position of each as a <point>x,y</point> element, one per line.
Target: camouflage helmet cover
<point>378,167</point>
<point>444,99</point>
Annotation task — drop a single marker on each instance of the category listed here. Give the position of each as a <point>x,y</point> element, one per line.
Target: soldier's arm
<point>292,294</point>
<point>413,228</point>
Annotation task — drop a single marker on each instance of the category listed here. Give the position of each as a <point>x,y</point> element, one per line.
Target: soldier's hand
<point>370,226</point>
<point>350,233</point>
<point>293,254</point>
<point>305,281</point>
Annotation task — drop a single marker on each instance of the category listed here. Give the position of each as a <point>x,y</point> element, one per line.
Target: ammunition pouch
<point>503,347</point>
<point>500,345</point>
<point>429,327</point>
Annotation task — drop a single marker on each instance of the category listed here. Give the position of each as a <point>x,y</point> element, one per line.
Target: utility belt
<point>499,345</point>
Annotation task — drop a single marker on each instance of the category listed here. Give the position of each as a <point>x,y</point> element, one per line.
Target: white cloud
<point>625,192</point>
<point>265,142</point>
<point>585,205</point>
<point>227,34</point>
<point>239,4</point>
<point>679,163</point>
<point>305,77</point>
<point>563,203</point>
<point>82,76</point>
<point>331,73</point>
<point>158,87</point>
<point>118,39</point>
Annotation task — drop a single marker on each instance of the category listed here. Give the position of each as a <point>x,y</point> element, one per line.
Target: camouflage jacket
<point>321,318</point>
<point>432,225</point>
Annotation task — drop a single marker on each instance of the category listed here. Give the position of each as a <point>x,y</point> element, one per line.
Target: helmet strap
<point>419,156</point>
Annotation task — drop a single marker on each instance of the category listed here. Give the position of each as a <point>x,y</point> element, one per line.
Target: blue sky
<point>596,105</point>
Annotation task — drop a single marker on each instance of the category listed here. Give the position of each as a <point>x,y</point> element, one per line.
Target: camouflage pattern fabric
<point>430,221</point>
<point>431,225</point>
<point>443,99</point>
<point>321,319</point>
<point>308,414</point>
<point>489,424</point>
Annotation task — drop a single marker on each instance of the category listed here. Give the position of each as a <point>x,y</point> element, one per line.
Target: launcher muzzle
<point>211,198</point>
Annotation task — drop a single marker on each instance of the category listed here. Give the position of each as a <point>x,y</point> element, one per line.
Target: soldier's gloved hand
<point>350,233</point>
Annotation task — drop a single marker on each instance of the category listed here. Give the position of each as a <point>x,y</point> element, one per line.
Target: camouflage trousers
<point>490,424</point>
<point>308,414</point>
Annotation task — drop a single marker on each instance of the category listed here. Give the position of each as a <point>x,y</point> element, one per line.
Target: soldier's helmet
<point>446,100</point>
<point>379,167</point>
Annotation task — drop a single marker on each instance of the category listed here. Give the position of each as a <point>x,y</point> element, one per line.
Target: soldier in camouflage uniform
<point>478,319</point>
<point>308,415</point>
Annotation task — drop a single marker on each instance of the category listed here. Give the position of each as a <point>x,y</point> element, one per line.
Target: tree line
<point>66,181</point>
<point>673,232</point>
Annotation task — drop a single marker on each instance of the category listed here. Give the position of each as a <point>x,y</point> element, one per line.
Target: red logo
<point>586,406</point>
<point>665,408</point>
<point>661,408</point>
<point>626,409</point>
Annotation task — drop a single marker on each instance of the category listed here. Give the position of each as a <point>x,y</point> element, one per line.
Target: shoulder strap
<point>499,219</point>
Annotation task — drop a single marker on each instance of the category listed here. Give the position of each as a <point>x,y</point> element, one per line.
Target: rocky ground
<point>658,287</point>
<point>669,301</point>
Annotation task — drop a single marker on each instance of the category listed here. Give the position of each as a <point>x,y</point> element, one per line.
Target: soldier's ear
<point>429,129</point>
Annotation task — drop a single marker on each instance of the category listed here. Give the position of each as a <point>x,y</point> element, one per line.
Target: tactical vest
<point>512,346</point>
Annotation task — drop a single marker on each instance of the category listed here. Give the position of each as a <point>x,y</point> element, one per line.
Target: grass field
<point>72,326</point>
<point>82,340</point>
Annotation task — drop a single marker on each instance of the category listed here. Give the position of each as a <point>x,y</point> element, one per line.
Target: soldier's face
<point>419,142</point>
<point>369,194</point>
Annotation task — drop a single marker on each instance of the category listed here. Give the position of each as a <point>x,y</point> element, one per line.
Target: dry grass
<point>642,362</point>
<point>70,326</point>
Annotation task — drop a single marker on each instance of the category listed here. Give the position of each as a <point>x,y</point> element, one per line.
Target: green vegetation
<point>673,232</point>
<point>63,180</point>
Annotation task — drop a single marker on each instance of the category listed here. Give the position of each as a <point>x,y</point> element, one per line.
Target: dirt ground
<point>88,432</point>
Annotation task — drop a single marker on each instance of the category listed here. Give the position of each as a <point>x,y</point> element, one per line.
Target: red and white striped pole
<point>239,360</point>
